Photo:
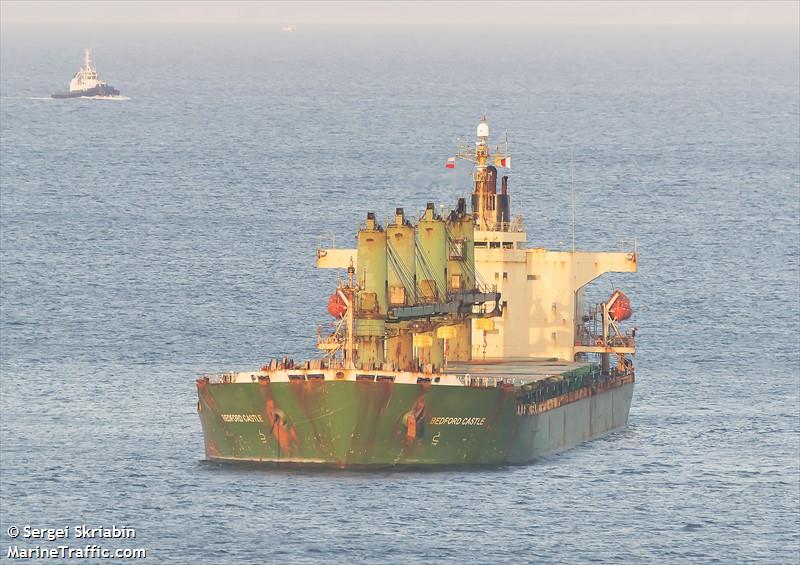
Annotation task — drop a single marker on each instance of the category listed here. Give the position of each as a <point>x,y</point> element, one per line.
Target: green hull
<point>374,424</point>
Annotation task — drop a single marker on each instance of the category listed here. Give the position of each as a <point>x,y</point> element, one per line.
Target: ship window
<point>385,379</point>
<point>253,378</point>
<point>480,244</point>
<point>497,276</point>
<point>505,276</point>
<point>369,378</point>
<point>315,377</point>
<point>421,380</point>
<point>296,377</point>
<point>494,245</point>
<point>263,378</point>
<point>508,245</point>
<point>533,277</point>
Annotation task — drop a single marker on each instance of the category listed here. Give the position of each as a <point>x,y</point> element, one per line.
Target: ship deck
<point>514,370</point>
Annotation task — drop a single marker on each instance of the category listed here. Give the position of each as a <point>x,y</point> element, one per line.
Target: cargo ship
<point>87,83</point>
<point>453,343</point>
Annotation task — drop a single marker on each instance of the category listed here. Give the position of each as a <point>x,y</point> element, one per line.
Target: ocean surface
<point>147,240</point>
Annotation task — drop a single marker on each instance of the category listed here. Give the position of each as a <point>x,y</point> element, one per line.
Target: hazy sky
<point>782,12</point>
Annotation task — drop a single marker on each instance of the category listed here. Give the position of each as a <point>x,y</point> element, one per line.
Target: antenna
<point>572,189</point>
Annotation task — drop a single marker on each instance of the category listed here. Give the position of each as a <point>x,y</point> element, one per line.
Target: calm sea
<point>147,240</point>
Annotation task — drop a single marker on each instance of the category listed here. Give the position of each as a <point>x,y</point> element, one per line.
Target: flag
<point>451,163</point>
<point>502,161</point>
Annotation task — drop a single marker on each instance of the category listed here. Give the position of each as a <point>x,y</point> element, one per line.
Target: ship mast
<point>485,201</point>
<point>87,58</point>
<point>481,155</point>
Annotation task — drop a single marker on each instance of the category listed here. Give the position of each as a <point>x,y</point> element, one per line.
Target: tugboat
<point>86,83</point>
<point>455,343</point>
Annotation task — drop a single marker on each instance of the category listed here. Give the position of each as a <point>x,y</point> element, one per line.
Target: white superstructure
<point>542,295</point>
<point>86,78</point>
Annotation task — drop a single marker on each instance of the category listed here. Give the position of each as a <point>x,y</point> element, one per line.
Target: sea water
<point>172,233</point>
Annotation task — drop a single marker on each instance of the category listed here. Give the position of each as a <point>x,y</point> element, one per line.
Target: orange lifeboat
<point>621,309</point>
<point>336,306</point>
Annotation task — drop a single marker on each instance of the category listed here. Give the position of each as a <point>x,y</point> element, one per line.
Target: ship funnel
<point>491,180</point>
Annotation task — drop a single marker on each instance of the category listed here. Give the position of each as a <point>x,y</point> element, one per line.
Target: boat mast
<point>87,58</point>
<point>481,156</point>
<point>484,198</point>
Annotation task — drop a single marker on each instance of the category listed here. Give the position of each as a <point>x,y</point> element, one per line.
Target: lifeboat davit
<point>621,309</point>
<point>336,306</point>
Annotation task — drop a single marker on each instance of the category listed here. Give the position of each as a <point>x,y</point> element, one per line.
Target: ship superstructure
<point>454,343</point>
<point>544,314</point>
<point>86,82</point>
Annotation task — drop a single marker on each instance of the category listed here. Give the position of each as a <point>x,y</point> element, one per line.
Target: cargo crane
<point>416,288</point>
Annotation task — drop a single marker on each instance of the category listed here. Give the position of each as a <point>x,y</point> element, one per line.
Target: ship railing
<point>615,341</point>
<point>326,240</point>
<point>515,225</point>
<point>218,378</point>
<point>493,382</point>
<point>470,294</point>
<point>628,245</point>
<point>588,339</point>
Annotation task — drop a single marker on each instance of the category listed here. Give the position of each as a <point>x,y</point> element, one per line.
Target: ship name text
<point>446,421</point>
<point>242,418</point>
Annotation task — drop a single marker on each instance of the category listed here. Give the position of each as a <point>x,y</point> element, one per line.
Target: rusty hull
<point>379,424</point>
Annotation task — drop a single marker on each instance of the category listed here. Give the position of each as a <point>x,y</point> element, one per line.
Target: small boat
<point>86,83</point>
<point>289,28</point>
